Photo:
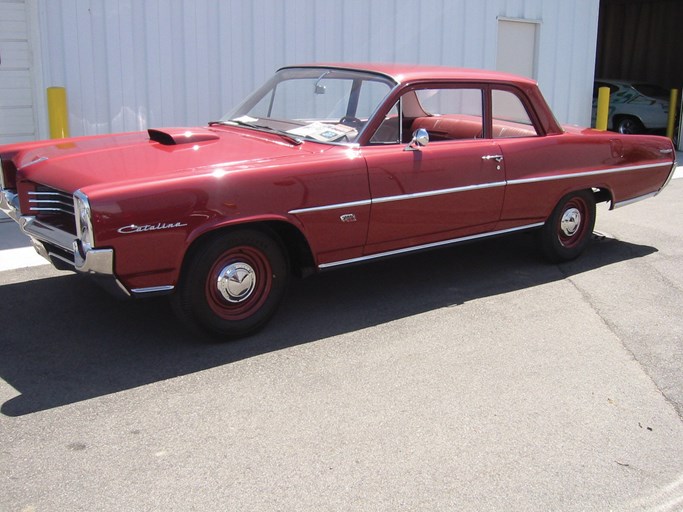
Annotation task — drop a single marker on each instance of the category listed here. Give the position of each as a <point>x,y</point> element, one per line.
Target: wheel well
<point>621,116</point>
<point>292,240</point>
<point>300,256</point>
<point>618,117</point>
<point>602,195</point>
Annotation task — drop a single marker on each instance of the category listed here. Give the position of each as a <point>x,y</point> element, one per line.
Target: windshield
<point>322,104</point>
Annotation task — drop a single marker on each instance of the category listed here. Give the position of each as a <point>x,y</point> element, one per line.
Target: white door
<point>517,47</point>
<point>17,119</point>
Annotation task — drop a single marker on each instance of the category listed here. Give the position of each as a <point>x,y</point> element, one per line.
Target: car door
<point>533,160</point>
<point>451,188</point>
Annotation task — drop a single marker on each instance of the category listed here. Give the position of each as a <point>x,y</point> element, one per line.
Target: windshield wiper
<point>236,122</point>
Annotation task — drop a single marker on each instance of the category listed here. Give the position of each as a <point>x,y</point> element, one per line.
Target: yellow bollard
<point>57,112</point>
<point>602,115</point>
<point>673,101</point>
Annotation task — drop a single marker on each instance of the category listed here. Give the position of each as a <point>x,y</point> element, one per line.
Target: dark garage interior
<point>640,40</point>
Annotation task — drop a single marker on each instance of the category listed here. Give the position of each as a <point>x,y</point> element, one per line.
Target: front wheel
<point>567,231</point>
<point>233,283</point>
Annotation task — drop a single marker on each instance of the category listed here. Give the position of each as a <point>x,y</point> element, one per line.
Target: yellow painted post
<point>57,112</point>
<point>602,115</point>
<point>673,101</point>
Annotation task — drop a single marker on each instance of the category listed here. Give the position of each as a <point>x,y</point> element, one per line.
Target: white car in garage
<point>634,107</point>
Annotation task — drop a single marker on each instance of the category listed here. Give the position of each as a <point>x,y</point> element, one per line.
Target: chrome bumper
<point>62,249</point>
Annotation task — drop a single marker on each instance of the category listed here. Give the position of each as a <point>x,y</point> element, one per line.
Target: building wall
<point>133,64</point>
<point>18,87</point>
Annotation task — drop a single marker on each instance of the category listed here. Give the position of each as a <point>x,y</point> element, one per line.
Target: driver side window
<point>389,132</point>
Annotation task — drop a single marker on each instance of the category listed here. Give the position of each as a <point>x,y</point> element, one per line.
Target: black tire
<point>568,230</point>
<point>628,125</point>
<point>233,284</point>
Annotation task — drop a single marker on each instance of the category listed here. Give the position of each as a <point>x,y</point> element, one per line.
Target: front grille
<point>53,207</point>
<point>49,200</point>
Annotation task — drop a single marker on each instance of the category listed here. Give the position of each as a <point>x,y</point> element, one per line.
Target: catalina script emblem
<point>134,228</point>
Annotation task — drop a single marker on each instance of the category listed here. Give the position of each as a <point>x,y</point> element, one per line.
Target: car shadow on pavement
<point>64,340</point>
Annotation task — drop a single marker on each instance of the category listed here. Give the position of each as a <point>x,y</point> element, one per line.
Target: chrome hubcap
<point>571,220</point>
<point>236,282</point>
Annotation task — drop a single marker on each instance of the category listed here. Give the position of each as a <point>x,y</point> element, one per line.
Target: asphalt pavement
<point>476,377</point>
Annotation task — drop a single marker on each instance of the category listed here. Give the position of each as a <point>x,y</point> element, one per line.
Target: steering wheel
<point>353,122</point>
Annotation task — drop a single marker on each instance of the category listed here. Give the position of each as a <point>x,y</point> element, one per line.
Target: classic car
<point>634,107</point>
<point>323,166</point>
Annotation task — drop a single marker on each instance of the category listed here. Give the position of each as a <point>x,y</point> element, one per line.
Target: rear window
<point>654,91</point>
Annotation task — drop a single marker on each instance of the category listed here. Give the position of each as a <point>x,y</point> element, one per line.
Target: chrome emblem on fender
<point>134,228</point>
<point>348,217</point>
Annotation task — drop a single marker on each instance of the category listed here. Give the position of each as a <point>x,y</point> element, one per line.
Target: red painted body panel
<point>415,216</point>
<point>224,197</point>
<point>152,198</point>
<point>128,159</point>
<point>577,161</point>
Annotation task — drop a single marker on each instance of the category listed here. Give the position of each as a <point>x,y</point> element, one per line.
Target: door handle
<point>497,158</point>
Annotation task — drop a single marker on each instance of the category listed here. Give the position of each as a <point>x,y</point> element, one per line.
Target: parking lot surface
<point>476,377</point>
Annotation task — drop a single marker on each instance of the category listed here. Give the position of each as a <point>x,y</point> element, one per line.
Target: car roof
<point>624,82</point>
<point>613,81</point>
<point>403,73</point>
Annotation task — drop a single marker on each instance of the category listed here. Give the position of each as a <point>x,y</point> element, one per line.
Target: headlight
<point>83,220</point>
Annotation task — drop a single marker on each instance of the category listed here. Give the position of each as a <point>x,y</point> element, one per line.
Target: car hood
<point>72,164</point>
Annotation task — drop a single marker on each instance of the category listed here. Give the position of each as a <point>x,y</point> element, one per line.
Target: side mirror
<point>420,140</point>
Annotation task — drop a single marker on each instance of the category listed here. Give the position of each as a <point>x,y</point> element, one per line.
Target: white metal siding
<point>16,80</point>
<point>133,64</point>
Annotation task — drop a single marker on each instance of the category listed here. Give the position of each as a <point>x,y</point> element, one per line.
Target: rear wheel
<point>569,228</point>
<point>233,283</point>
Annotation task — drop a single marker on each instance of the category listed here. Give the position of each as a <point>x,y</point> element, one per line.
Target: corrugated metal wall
<point>16,79</point>
<point>133,64</point>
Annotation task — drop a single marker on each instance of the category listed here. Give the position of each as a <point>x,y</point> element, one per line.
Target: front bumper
<point>63,249</point>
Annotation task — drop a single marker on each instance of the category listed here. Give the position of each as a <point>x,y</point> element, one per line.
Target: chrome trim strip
<point>403,197</point>
<point>95,261</point>
<point>82,212</point>
<point>2,177</point>
<point>34,228</point>
<point>455,190</point>
<point>587,173</point>
<point>427,246</point>
<point>9,204</point>
<point>417,195</point>
<point>153,290</point>
<point>48,193</point>
<point>99,263</point>
<point>634,200</point>
<point>33,162</point>
<point>365,202</point>
<point>674,166</point>
<point>50,201</point>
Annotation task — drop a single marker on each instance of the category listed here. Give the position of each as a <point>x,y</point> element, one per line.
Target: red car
<point>323,166</point>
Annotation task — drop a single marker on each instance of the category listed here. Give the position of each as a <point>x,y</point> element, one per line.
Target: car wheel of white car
<point>569,228</point>
<point>233,283</point>
<point>629,125</point>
